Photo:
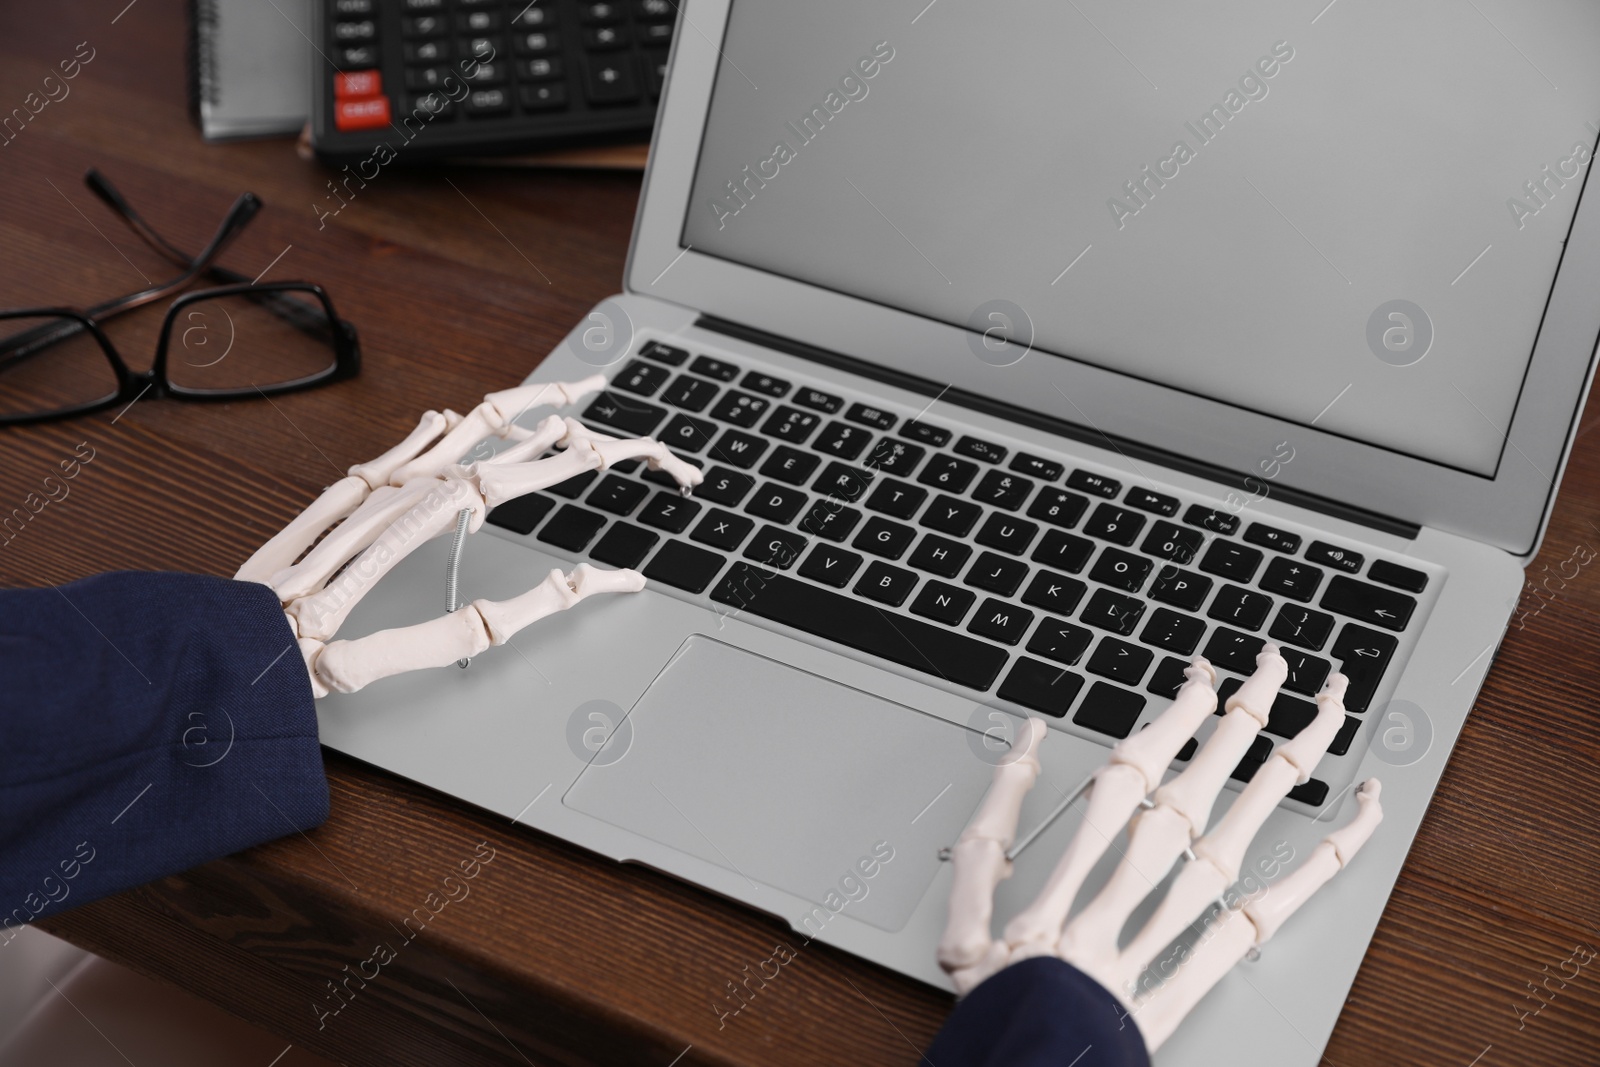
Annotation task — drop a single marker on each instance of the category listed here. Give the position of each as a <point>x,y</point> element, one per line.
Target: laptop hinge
<point>1061,427</point>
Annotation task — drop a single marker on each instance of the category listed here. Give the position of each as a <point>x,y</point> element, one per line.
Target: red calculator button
<point>361,114</point>
<point>358,83</point>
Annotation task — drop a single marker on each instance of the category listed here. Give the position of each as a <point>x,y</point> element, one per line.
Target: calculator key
<point>724,486</point>
<point>427,52</point>
<point>658,33</point>
<point>928,435</point>
<point>1174,632</point>
<point>790,465</point>
<point>1368,603</point>
<point>867,415</point>
<point>1172,542</point>
<point>624,545</point>
<point>1063,551</point>
<point>1233,651</point>
<point>949,515</point>
<point>997,574</point>
<point>999,621</point>
<point>532,16</point>
<point>353,8</point>
<point>1002,490</point>
<point>532,44</point>
<point>663,353</point>
<point>357,84</point>
<point>427,77</point>
<point>1334,556</point>
<point>831,520</point>
<point>521,514</point>
<point>1037,466</point>
<point>886,584</point>
<point>738,449</point>
<point>830,566</point>
<point>1121,570</point>
<point>884,538</point>
<point>948,473</point>
<point>1296,625</point>
<point>1180,588</point>
<point>1060,640</point>
<point>789,424</point>
<point>482,49</point>
<point>598,13</point>
<point>940,556</point>
<point>1149,500</point>
<point>1291,578</point>
<point>1040,687</point>
<point>775,547</point>
<point>357,57</point>
<point>1114,524</point>
<point>684,566</point>
<point>842,440</point>
<point>1412,581</point>
<point>1110,710</point>
<point>722,529</point>
<point>776,502</point>
<point>1057,507</point>
<point>1241,607</point>
<point>420,26</point>
<point>690,394</point>
<point>687,433</point>
<point>842,482</point>
<point>1113,611</point>
<point>741,409</point>
<point>1258,533</point>
<point>943,603</point>
<point>361,114</point>
<point>640,377</point>
<point>896,498</point>
<point>618,495</point>
<point>1119,661</point>
<point>1231,560</point>
<point>476,21</point>
<point>1094,484</point>
<point>1215,521</point>
<point>601,38</point>
<point>434,105</point>
<point>1363,656</point>
<point>1054,592</point>
<point>543,97</point>
<point>572,527</point>
<point>976,448</point>
<point>655,9</point>
<point>611,80</point>
<point>1306,673</point>
<point>365,30</point>
<point>539,70</point>
<point>670,512</point>
<point>424,5</point>
<point>486,102</point>
<point>817,400</point>
<point>1007,534</point>
<point>894,457</point>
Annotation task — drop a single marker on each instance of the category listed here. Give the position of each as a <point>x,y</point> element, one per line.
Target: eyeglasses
<point>241,339</point>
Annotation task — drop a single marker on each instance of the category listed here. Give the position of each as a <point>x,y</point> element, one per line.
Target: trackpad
<point>789,779</point>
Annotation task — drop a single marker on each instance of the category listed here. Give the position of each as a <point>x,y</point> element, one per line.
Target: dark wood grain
<point>459,280</point>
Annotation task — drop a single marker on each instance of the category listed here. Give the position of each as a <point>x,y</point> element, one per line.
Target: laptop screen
<point>1348,219</point>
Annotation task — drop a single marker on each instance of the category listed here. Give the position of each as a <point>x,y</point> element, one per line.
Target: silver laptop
<point>1030,349</point>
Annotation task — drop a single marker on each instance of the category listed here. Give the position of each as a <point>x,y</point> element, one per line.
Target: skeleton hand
<point>384,509</point>
<point>1157,836</point>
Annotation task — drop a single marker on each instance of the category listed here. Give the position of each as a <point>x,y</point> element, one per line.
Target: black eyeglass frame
<point>133,384</point>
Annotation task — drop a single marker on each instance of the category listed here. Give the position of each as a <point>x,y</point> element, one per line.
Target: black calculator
<point>409,80</point>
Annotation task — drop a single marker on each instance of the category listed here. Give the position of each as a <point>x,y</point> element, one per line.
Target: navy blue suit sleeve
<point>148,723</point>
<point>1042,1012</point>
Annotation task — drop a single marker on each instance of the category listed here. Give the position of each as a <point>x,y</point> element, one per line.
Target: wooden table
<point>459,280</point>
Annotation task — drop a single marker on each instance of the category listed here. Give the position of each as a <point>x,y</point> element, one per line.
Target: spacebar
<point>861,625</point>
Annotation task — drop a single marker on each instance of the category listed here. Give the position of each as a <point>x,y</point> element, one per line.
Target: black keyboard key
<point>928,435</point>
<point>1291,578</point>
<point>624,545</point>
<point>839,482</point>
<point>940,556</point>
<point>886,584</point>
<point>975,448</point>
<point>757,382</point>
<point>943,603</point>
<point>611,79</point>
<point>1119,661</point>
<point>1167,680</point>
<point>894,457</point>
<point>1063,551</point>
<point>1180,588</point>
<point>884,538</point>
<point>867,415</point>
<point>1313,791</point>
<point>1057,507</point>
<point>1113,611</point>
<point>1368,603</point>
<point>1174,632</point>
<point>633,417</point>
<point>1306,673</point>
<point>830,520</point>
<point>724,486</point>
<point>775,548</point>
<point>1114,524</point>
<point>741,409</point>
<point>1007,534</point>
<point>670,512</point>
<point>618,495</point>
<point>604,37</point>
<point>530,44</point>
<point>1258,533</point>
<point>776,502</point>
<point>1121,570</point>
<point>662,353</point>
<point>1334,556</point>
<point>1233,651</point>
<point>948,473</point>
<point>573,487</point>
<point>842,440</point>
<point>1054,592</point>
<point>684,566</point>
<point>1412,581</point>
<point>817,400</point>
<point>1037,466</point>
<point>1260,751</point>
<point>1094,484</point>
<point>1002,490</point>
<point>542,97</point>
<point>1172,542</point>
<point>722,529</point>
<point>1109,710</point>
<point>1296,625</point>
<point>949,515</point>
<point>738,449</point>
<point>485,103</point>
<point>714,368</point>
<point>687,433</point>
<point>572,528</point>
<point>830,566</point>
<point>997,574</point>
<point>791,424</point>
<point>1363,656</point>
<point>999,621</point>
<point>1241,607</point>
<point>640,377</point>
<point>791,465</point>
<point>690,394</point>
<point>1149,500</point>
<point>896,498</point>
<point>600,13</point>
<point>1060,640</point>
<point>1215,521</point>
<point>1229,559</point>
<point>1346,734</point>
<point>521,514</point>
<point>1040,687</point>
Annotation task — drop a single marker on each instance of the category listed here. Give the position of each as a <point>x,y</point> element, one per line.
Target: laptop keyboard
<point>1021,577</point>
